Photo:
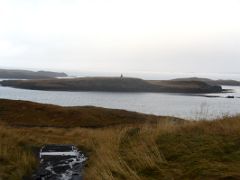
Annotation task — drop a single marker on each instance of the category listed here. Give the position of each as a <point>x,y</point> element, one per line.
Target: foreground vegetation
<point>163,150</point>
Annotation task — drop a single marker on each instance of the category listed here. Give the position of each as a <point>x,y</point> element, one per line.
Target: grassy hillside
<point>165,150</point>
<point>29,114</point>
<point>115,84</point>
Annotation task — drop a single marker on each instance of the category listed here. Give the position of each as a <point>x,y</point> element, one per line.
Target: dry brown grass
<point>166,150</point>
<point>16,161</point>
<point>29,114</point>
<point>110,150</point>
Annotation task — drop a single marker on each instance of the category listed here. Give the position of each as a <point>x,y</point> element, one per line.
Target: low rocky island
<point>115,84</point>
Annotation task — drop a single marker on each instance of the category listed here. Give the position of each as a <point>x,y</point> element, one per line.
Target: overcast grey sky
<point>201,36</point>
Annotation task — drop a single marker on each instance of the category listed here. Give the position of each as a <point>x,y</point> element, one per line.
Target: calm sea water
<point>185,106</point>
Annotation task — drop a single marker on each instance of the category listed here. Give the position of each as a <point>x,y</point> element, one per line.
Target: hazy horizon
<point>143,75</point>
<point>144,38</point>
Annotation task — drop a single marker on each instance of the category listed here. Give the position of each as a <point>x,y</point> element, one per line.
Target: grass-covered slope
<point>29,114</point>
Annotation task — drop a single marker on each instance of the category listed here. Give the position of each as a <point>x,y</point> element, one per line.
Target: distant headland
<point>25,74</point>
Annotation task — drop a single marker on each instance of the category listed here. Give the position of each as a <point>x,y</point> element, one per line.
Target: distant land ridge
<point>26,74</point>
<point>212,82</point>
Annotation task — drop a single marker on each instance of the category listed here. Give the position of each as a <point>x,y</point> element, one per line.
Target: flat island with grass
<point>115,84</point>
<point>119,144</point>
